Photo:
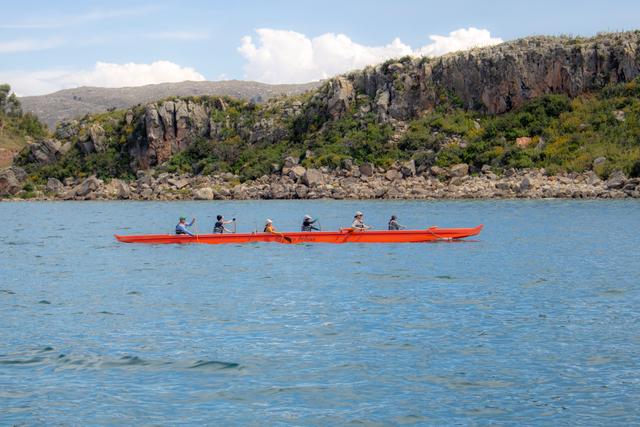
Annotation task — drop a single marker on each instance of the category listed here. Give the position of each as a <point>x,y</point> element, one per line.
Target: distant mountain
<point>71,103</point>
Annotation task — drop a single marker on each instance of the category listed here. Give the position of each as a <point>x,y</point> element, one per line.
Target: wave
<point>47,356</point>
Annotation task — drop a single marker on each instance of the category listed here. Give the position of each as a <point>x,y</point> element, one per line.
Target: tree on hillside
<point>9,103</point>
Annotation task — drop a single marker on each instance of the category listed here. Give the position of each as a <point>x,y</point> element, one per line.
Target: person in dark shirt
<point>219,226</point>
<point>307,224</point>
<point>394,224</point>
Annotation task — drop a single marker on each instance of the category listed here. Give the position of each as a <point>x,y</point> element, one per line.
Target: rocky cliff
<point>362,114</point>
<point>492,80</point>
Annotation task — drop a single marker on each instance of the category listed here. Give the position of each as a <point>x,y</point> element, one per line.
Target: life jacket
<point>268,229</point>
<point>218,227</point>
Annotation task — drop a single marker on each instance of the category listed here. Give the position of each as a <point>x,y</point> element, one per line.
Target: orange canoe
<point>346,235</point>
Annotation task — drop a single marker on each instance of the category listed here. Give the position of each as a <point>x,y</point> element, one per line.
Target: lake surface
<point>535,321</point>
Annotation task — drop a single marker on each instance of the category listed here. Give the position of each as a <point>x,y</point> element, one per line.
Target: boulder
<point>54,186</point>
<point>66,129</point>
<point>592,179</point>
<point>366,169</point>
<point>178,183</point>
<point>118,189</point>
<point>312,178</point>
<point>146,193</point>
<point>346,164</point>
<point>87,186</point>
<point>524,185</point>
<point>616,180</point>
<point>408,168</point>
<point>459,170</point>
<point>11,180</point>
<point>204,193</point>
<point>437,171</point>
<point>93,140</point>
<point>301,191</point>
<point>393,174</point>
<point>297,172</point>
<point>45,151</point>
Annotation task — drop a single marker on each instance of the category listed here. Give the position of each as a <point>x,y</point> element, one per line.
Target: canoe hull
<point>335,237</point>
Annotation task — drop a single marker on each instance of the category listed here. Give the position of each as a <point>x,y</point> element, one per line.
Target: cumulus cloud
<point>462,39</point>
<point>103,74</point>
<point>289,57</point>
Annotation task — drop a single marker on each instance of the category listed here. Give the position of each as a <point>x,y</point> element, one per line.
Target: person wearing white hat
<point>268,226</point>
<point>307,224</point>
<point>358,222</point>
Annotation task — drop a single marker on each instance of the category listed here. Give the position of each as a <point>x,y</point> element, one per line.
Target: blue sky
<point>45,46</point>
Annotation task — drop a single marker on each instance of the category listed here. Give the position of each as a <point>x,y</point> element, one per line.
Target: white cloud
<point>462,39</point>
<point>290,57</point>
<point>103,74</point>
<point>28,45</point>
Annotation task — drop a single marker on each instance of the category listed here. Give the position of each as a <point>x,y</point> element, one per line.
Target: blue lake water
<point>535,321</point>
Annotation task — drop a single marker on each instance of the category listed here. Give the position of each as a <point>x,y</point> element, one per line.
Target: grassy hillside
<point>15,126</point>
<point>553,131</point>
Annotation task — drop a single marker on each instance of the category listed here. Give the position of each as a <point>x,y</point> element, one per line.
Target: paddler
<point>219,226</point>
<point>394,224</point>
<point>181,227</point>
<point>268,227</point>
<point>358,222</point>
<point>307,224</point>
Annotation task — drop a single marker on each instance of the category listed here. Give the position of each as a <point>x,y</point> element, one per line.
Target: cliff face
<point>490,80</point>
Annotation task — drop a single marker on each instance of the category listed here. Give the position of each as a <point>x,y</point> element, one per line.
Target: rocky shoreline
<point>402,181</point>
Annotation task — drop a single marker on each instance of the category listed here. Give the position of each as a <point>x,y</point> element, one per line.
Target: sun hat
<point>307,217</point>
<point>358,213</point>
<point>269,221</point>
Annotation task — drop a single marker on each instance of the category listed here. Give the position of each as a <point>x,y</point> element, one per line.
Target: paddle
<point>285,238</point>
<point>438,236</point>
<point>195,226</point>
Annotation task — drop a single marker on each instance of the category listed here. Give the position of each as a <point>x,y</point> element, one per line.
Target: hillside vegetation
<point>556,103</point>
<point>555,133</point>
<point>16,127</point>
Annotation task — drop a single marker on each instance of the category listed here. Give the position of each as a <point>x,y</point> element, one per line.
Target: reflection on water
<point>533,322</point>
